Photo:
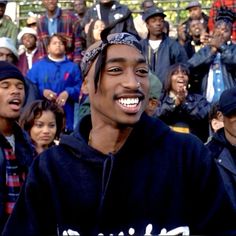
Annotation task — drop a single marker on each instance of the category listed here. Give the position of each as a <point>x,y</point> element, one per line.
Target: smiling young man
<point>121,172</point>
<point>15,150</point>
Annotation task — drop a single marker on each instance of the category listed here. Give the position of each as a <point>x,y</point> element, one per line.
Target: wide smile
<point>130,104</point>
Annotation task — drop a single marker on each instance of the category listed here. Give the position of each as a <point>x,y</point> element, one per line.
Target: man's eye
<point>114,69</point>
<point>20,86</point>
<point>4,85</point>
<point>142,72</point>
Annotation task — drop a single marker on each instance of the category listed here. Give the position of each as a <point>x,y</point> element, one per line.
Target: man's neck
<point>230,137</point>
<point>156,37</point>
<point>51,14</point>
<point>107,139</point>
<point>30,50</point>
<point>6,127</point>
<point>107,5</point>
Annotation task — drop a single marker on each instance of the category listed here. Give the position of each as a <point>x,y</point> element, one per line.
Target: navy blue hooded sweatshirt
<point>158,177</point>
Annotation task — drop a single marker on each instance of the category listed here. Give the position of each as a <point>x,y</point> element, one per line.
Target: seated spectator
<point>193,44</point>
<point>213,66</point>
<point>16,152</point>
<point>223,143</point>
<point>57,78</point>
<point>110,11</point>
<point>8,51</point>
<point>80,8</point>
<point>94,32</point>
<point>31,22</point>
<point>44,121</point>
<point>183,111</point>
<point>139,23</point>
<point>215,118</point>
<point>56,20</point>
<point>154,94</point>
<point>28,38</point>
<point>160,50</point>
<point>215,7</point>
<point>194,9</point>
<point>7,27</point>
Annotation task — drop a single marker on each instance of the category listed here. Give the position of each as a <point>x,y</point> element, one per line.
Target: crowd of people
<point>109,125</point>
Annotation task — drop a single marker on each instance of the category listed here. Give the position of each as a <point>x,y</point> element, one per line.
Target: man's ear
<point>84,87</point>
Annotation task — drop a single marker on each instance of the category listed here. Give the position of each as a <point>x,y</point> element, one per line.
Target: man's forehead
<point>222,25</point>
<point>122,52</point>
<point>5,50</point>
<point>11,80</point>
<point>194,8</point>
<point>99,49</point>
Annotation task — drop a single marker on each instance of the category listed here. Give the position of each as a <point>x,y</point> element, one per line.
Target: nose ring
<point>138,84</point>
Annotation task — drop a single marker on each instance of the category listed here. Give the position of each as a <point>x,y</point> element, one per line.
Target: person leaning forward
<point>122,170</point>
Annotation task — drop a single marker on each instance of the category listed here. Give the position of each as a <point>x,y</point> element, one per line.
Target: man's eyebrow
<point>122,59</point>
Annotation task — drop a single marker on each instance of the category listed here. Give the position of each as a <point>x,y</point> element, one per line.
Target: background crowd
<point>192,76</point>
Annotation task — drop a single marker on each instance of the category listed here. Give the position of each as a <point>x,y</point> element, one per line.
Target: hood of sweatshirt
<point>145,133</point>
<point>148,132</point>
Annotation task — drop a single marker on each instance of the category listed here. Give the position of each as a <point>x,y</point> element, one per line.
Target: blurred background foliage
<point>174,9</point>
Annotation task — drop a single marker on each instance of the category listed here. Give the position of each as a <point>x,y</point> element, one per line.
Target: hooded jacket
<point>158,177</point>
<point>225,156</point>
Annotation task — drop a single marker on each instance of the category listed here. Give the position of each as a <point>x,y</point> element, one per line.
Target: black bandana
<point>118,38</point>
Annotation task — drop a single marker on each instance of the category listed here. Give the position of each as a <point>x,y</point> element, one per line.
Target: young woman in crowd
<point>44,121</point>
<point>94,31</point>
<point>180,109</point>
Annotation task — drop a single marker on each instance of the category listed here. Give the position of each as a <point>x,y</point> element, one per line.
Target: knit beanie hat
<point>8,70</point>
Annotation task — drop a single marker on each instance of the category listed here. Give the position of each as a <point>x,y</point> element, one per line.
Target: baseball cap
<point>193,4</point>
<point>227,101</point>
<point>31,20</point>
<point>152,11</point>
